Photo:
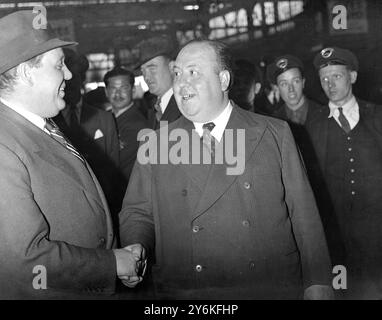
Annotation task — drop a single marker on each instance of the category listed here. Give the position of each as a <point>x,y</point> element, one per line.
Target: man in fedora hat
<point>155,61</point>
<point>347,137</point>
<point>56,238</point>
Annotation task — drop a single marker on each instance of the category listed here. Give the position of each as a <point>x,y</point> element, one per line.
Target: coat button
<point>353,193</point>
<point>102,240</point>
<point>252,265</point>
<point>245,223</point>
<point>351,160</point>
<point>352,170</point>
<point>195,229</point>
<point>247,185</point>
<point>184,192</point>
<point>350,149</point>
<point>198,268</point>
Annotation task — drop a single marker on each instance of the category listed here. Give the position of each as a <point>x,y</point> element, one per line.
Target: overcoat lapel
<point>48,149</point>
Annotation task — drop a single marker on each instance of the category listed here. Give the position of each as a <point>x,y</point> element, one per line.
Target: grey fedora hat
<point>20,41</point>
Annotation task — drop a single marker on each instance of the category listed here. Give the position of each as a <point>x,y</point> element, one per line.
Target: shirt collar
<point>164,100</point>
<point>220,123</point>
<point>347,108</point>
<point>32,117</point>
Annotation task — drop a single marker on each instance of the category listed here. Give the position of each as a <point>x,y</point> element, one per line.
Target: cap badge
<point>282,63</point>
<point>327,52</point>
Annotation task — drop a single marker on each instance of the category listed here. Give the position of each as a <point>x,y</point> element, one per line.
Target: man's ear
<point>353,76</point>
<point>303,83</point>
<point>25,74</point>
<point>257,87</point>
<point>171,66</point>
<point>225,78</point>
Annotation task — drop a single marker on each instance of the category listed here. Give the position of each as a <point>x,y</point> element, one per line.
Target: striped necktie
<point>207,137</point>
<point>57,135</point>
<point>344,122</point>
<point>157,107</point>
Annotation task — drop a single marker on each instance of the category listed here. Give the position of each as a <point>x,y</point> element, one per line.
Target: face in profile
<point>119,91</point>
<point>337,81</point>
<point>199,85</point>
<point>157,75</point>
<point>48,84</point>
<point>291,85</point>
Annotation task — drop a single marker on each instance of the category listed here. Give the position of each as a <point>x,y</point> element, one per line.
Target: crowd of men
<point>79,198</point>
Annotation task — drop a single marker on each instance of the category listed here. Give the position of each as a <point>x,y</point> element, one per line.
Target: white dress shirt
<point>220,123</point>
<point>165,99</point>
<point>350,110</point>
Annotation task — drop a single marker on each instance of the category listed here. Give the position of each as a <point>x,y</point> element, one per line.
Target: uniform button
<point>198,268</point>
<point>350,149</point>
<point>251,265</point>
<point>245,223</point>
<point>353,193</point>
<point>352,181</point>
<point>247,185</point>
<point>349,138</point>
<point>352,170</point>
<point>195,229</point>
<point>102,240</point>
<point>351,160</point>
<point>184,192</point>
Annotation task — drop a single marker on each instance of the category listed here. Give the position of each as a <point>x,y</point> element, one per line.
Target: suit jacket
<point>53,213</point>
<point>250,236</point>
<point>96,138</point>
<point>170,114</point>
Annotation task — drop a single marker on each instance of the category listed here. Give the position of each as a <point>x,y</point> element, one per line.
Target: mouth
<point>188,96</point>
<point>61,92</point>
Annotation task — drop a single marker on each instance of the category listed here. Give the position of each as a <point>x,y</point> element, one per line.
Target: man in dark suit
<point>56,238</point>
<point>91,130</point>
<point>347,136</point>
<point>130,121</point>
<point>250,231</point>
<point>155,61</point>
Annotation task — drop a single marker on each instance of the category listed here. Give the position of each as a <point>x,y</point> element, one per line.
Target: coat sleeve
<point>25,241</point>
<point>136,217</point>
<point>304,215</point>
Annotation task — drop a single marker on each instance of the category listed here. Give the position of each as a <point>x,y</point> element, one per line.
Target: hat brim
<point>152,56</point>
<point>32,52</point>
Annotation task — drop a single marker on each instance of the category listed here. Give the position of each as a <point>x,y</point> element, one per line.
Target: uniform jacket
<point>250,236</point>
<point>170,114</point>
<point>318,127</point>
<point>52,213</point>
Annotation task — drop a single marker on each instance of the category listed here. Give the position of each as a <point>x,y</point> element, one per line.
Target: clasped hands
<point>131,264</point>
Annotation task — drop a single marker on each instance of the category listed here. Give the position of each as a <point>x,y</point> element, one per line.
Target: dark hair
<point>223,55</point>
<point>246,75</point>
<point>119,71</point>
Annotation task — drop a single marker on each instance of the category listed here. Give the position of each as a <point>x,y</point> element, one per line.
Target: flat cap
<point>335,56</point>
<point>154,47</point>
<point>282,64</point>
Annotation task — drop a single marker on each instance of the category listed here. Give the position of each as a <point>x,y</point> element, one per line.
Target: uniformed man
<point>347,137</point>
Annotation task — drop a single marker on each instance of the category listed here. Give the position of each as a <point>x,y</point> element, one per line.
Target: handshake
<point>131,264</point>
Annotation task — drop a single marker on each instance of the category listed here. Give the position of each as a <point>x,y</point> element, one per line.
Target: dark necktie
<point>158,113</point>
<point>207,137</point>
<point>344,122</point>
<point>57,135</point>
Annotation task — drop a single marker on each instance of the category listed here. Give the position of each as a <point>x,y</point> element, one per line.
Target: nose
<point>290,87</point>
<point>67,73</point>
